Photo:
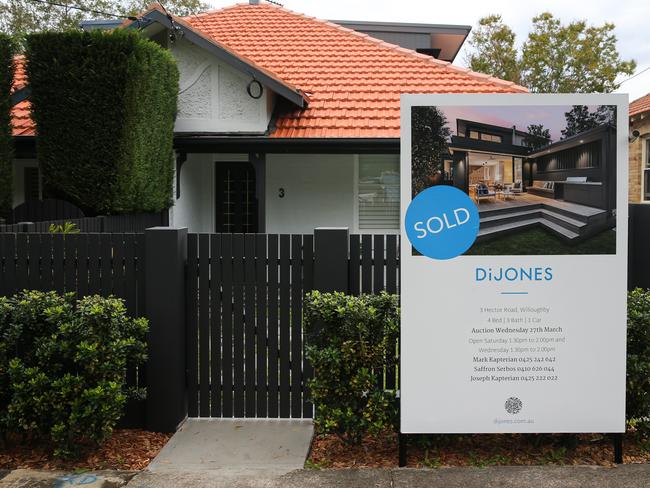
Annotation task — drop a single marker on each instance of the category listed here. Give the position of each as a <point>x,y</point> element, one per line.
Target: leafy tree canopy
<point>555,58</point>
<point>580,119</point>
<point>429,136</point>
<point>537,136</point>
<point>20,17</point>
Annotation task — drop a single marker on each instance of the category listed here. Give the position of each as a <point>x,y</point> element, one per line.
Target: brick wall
<point>636,155</point>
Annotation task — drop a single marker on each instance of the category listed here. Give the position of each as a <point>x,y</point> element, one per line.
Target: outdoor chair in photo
<point>482,191</point>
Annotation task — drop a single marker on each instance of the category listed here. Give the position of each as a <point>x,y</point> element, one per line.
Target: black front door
<point>235,198</point>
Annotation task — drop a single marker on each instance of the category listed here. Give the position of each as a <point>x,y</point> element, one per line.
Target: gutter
<point>208,144</point>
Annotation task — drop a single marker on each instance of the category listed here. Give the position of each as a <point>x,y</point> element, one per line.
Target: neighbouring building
<point>639,175</point>
<point>287,122</point>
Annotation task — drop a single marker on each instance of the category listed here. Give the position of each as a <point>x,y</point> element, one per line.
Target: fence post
<point>331,250</point>
<point>165,260</point>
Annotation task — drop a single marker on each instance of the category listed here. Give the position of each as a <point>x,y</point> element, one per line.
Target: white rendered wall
<point>213,96</point>
<point>319,191</point>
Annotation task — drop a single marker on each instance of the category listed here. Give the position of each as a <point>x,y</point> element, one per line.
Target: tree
<point>20,17</point>
<point>429,136</point>
<point>580,119</point>
<point>555,58</point>
<point>537,136</point>
<point>494,49</point>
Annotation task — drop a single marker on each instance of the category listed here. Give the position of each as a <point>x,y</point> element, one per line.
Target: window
<point>378,192</point>
<point>490,137</point>
<point>473,134</point>
<point>646,170</point>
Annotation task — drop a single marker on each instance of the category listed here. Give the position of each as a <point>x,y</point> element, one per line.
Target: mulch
<point>479,450</point>
<point>127,449</point>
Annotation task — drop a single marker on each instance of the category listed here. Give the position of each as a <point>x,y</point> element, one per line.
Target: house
<point>287,122</point>
<point>639,175</point>
<point>519,180</point>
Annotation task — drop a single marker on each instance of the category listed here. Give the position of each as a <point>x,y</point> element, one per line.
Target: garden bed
<point>475,450</point>
<point>127,449</point>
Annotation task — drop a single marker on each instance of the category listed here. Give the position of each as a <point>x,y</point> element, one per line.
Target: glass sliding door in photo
<point>542,176</point>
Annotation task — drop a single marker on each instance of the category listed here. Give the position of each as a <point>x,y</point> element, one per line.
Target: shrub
<point>63,363</point>
<point>6,143</point>
<point>350,341</point>
<point>638,359</point>
<point>104,104</point>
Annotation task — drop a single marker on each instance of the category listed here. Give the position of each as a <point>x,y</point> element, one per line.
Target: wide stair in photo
<point>568,221</point>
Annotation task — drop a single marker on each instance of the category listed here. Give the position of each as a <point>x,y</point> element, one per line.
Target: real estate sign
<point>513,263</point>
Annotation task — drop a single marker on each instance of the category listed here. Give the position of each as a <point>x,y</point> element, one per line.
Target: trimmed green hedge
<point>351,341</point>
<point>7,48</point>
<point>638,360</point>
<point>63,365</point>
<point>104,104</point>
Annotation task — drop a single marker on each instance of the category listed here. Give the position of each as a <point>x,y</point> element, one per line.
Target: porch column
<point>258,160</point>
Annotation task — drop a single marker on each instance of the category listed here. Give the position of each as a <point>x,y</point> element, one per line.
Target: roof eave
<point>292,94</point>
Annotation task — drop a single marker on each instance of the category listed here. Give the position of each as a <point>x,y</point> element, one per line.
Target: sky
<point>629,16</point>
<point>551,116</point>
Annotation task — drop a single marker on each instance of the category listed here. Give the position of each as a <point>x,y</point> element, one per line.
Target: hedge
<point>637,406</point>
<point>7,49</point>
<point>63,364</point>
<point>351,341</point>
<point>104,104</point>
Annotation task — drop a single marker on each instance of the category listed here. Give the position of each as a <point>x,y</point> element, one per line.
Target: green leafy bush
<point>6,142</point>
<point>63,364</point>
<point>65,228</point>
<point>104,104</point>
<point>638,359</point>
<point>350,341</point>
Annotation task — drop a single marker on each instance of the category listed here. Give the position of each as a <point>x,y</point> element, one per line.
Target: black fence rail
<point>245,350</point>
<point>87,264</point>
<point>103,224</point>
<point>639,247</point>
<point>244,325</point>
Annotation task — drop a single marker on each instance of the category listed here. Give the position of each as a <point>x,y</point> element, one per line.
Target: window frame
<point>645,167</point>
<point>356,206</point>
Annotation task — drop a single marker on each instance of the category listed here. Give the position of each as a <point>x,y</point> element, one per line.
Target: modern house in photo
<point>519,180</point>
<point>639,175</point>
<point>287,122</point>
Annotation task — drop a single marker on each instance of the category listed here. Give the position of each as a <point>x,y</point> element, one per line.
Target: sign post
<point>513,264</point>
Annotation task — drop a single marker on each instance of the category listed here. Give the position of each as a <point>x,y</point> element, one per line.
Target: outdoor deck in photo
<point>569,221</point>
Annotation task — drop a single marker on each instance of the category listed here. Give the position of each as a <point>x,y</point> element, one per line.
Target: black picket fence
<point>225,310</point>
<point>103,223</point>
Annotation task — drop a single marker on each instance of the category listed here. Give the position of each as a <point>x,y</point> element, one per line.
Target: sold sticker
<point>442,222</point>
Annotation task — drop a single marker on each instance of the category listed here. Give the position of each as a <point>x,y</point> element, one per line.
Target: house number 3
<point>281,192</point>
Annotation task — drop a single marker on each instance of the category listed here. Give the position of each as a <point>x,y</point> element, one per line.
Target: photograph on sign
<point>514,292</point>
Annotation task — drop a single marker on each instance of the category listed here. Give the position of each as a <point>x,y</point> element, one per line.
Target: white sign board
<point>526,331</point>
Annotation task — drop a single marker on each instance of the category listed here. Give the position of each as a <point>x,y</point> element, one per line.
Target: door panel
<point>235,198</point>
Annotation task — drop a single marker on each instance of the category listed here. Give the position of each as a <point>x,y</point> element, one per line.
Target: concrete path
<point>628,476</point>
<point>234,447</point>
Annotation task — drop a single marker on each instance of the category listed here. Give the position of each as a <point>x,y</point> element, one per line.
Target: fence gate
<point>244,325</point>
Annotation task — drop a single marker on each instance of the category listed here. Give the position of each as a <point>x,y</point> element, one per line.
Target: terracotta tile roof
<point>353,81</point>
<point>22,124</point>
<point>640,105</point>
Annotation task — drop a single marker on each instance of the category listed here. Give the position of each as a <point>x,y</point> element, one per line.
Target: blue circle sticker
<point>442,222</point>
